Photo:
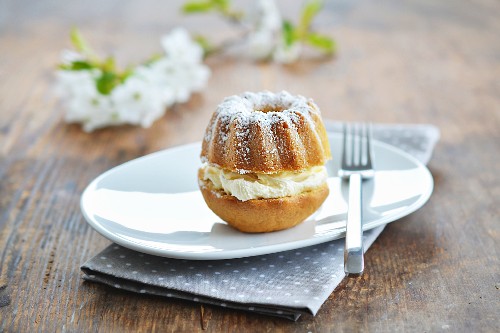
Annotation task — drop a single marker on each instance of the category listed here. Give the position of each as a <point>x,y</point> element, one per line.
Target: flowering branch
<point>266,35</point>
<point>98,94</point>
<point>222,7</point>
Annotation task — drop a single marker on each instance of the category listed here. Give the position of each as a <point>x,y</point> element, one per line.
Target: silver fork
<point>356,165</point>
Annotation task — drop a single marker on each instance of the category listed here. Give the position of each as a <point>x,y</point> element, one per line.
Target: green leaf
<point>310,10</point>
<point>81,65</point>
<point>322,42</point>
<point>77,65</point>
<point>107,82</point>
<point>289,33</point>
<point>221,4</point>
<point>109,65</point>
<point>198,6</point>
<point>79,42</point>
<point>204,43</point>
<point>153,58</point>
<point>126,73</point>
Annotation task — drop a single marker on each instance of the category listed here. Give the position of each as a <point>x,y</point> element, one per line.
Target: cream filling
<point>264,186</point>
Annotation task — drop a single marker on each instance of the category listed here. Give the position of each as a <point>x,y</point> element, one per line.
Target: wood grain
<point>405,62</point>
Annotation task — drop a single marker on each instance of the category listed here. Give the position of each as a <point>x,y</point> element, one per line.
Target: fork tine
<point>353,144</point>
<point>363,145</point>
<point>368,146</point>
<point>356,150</point>
<point>361,139</point>
<point>344,145</point>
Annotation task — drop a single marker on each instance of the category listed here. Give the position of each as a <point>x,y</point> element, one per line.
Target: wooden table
<point>413,62</point>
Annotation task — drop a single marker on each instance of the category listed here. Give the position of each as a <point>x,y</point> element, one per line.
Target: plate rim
<point>240,253</point>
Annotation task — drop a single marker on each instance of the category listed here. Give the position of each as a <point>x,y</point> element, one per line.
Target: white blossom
<point>266,37</point>
<point>137,102</point>
<point>286,54</point>
<point>84,104</point>
<point>265,23</point>
<point>178,45</point>
<point>260,44</point>
<point>145,94</point>
<point>68,56</point>
<point>179,78</point>
<point>267,16</point>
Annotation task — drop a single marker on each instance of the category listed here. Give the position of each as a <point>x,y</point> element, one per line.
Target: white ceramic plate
<point>152,205</point>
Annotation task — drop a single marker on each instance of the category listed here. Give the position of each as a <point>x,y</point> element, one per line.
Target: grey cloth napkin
<point>285,284</point>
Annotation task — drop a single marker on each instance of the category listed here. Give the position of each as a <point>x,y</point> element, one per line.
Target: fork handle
<point>353,252</point>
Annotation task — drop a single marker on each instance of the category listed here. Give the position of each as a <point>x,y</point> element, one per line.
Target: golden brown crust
<point>292,141</point>
<point>263,215</point>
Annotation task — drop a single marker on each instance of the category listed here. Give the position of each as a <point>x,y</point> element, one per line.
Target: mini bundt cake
<point>263,161</point>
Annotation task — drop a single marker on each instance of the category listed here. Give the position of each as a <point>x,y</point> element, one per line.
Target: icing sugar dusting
<point>263,107</point>
<point>238,114</point>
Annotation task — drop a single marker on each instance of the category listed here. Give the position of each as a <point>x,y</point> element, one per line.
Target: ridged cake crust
<point>266,133</point>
